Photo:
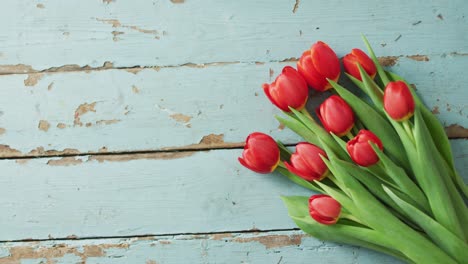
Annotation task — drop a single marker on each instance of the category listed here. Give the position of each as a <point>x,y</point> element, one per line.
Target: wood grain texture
<point>150,33</point>
<point>271,247</point>
<point>124,195</point>
<point>178,107</point>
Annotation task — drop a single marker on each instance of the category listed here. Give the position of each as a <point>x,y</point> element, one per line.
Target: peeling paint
<point>41,6</point>
<point>40,151</point>
<point>114,22</point>
<point>273,241</point>
<point>221,236</point>
<point>2,131</point>
<point>296,6</point>
<point>418,57</point>
<point>147,156</point>
<point>108,1</point>
<point>435,110</point>
<point>33,79</point>
<point>6,151</point>
<point>281,127</point>
<point>81,110</point>
<point>44,125</point>
<point>33,251</point>
<point>178,1</point>
<point>181,118</point>
<point>116,34</point>
<point>135,89</point>
<point>65,161</point>
<point>150,261</point>
<point>388,60</point>
<point>107,122</point>
<point>456,131</point>
<point>49,87</point>
<point>61,125</point>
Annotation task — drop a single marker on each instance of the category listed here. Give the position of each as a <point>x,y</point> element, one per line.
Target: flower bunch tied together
<point>378,163</point>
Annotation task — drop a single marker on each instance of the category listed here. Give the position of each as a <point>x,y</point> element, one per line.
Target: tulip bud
<point>288,90</point>
<point>398,101</point>
<point>336,115</point>
<point>261,153</point>
<point>351,60</point>
<point>318,64</point>
<point>324,209</point>
<point>307,163</point>
<point>360,149</point>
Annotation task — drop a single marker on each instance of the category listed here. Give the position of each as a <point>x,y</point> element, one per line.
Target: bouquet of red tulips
<point>381,161</point>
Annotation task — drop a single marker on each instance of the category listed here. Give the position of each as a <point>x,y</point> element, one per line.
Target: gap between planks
<point>108,65</point>
<point>175,235</point>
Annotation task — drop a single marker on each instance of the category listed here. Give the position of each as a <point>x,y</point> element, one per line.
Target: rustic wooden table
<point>121,121</point>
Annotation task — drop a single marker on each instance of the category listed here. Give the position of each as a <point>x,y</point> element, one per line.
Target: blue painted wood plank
<point>117,110</point>
<point>270,247</point>
<point>165,193</point>
<point>53,33</point>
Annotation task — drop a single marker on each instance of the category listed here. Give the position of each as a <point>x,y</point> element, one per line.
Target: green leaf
<point>404,182</point>
<point>372,89</point>
<point>285,154</point>
<point>341,233</point>
<point>432,182</point>
<point>299,128</point>
<point>381,73</point>
<point>298,180</point>
<point>376,123</point>
<point>451,244</point>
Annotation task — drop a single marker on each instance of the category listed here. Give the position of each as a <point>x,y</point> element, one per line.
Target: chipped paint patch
<point>178,1</point>
<point>33,79</point>
<point>108,1</point>
<point>44,125</point>
<point>456,131</point>
<point>34,251</point>
<point>221,236</point>
<point>66,161</point>
<point>41,6</point>
<point>49,87</point>
<point>135,89</point>
<point>296,6</point>
<point>114,22</point>
<point>418,57</point>
<point>181,118</point>
<point>40,151</point>
<point>61,125</point>
<point>107,122</point>
<point>388,60</point>
<point>6,151</point>
<point>81,110</point>
<point>435,110</point>
<point>2,131</point>
<point>116,34</point>
<point>273,241</point>
<point>147,156</point>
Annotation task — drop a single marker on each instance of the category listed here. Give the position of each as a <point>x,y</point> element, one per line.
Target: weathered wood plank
<point>181,107</point>
<point>163,193</point>
<point>271,247</point>
<point>55,33</point>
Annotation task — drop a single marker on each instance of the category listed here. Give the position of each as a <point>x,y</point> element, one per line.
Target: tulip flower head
<point>307,162</point>
<point>360,149</point>
<point>398,101</point>
<point>324,209</point>
<point>318,64</point>
<point>261,153</point>
<point>288,90</point>
<point>336,115</point>
<point>357,56</point>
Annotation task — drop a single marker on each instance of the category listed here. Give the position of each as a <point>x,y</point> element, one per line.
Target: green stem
<point>349,135</point>
<point>407,126</point>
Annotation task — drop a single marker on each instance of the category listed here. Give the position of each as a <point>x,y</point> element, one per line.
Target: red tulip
<point>318,64</point>
<point>261,153</point>
<point>360,149</point>
<point>288,90</point>
<point>351,60</point>
<point>307,163</point>
<point>336,115</point>
<point>324,209</point>
<point>398,101</point>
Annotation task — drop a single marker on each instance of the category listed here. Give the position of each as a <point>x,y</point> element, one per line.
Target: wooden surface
<point>121,121</point>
